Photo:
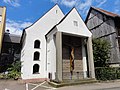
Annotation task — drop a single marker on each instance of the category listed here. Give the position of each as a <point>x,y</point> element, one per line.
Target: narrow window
<point>37,44</point>
<point>36,69</point>
<point>0,18</point>
<point>36,55</point>
<point>75,23</point>
<point>56,11</point>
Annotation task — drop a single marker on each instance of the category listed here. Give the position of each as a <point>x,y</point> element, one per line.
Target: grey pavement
<point>11,85</point>
<point>95,86</point>
<point>17,85</point>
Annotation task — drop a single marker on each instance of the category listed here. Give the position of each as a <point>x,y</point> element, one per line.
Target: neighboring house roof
<point>101,11</point>
<point>106,12</point>
<point>11,38</point>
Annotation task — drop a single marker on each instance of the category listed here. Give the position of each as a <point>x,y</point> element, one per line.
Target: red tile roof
<point>106,12</point>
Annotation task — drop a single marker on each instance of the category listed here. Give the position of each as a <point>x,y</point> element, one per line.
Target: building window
<point>0,18</point>
<point>37,44</point>
<point>75,23</point>
<point>36,55</point>
<point>36,69</point>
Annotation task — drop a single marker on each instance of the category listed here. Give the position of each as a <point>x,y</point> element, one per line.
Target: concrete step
<point>71,82</point>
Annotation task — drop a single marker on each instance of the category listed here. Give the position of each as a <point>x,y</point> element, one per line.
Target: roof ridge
<point>45,14</point>
<point>106,12</point>
<point>9,34</point>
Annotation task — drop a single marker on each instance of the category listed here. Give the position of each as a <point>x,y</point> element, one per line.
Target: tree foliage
<point>101,52</point>
<point>107,73</point>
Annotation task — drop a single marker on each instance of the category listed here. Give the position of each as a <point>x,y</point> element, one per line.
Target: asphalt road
<point>16,85</point>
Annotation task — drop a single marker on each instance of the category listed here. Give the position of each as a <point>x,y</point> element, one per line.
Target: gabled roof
<point>59,21</point>
<point>113,15</point>
<point>106,12</point>
<point>65,18</point>
<point>11,38</point>
<point>43,15</point>
<point>38,20</point>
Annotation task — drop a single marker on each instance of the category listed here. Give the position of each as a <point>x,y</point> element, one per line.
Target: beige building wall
<point>2,24</point>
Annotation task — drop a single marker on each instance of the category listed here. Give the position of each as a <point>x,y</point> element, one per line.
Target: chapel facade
<point>57,47</point>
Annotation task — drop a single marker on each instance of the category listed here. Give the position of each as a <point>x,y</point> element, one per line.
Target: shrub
<point>107,73</point>
<point>101,52</point>
<point>14,70</point>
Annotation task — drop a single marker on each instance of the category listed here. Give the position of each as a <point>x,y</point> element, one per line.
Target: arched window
<point>37,44</point>
<point>36,55</point>
<point>36,69</point>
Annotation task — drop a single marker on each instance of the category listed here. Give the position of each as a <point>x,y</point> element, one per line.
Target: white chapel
<point>57,47</point>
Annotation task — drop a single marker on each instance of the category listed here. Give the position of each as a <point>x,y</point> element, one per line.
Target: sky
<point>22,13</point>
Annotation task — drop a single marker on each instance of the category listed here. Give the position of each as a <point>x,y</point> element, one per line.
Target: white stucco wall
<point>67,25</point>
<point>38,32</point>
<point>27,58</point>
<point>51,53</point>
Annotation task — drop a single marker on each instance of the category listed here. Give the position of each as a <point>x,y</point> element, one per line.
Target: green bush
<point>14,70</point>
<point>4,76</point>
<point>101,52</point>
<point>107,73</point>
<point>118,73</point>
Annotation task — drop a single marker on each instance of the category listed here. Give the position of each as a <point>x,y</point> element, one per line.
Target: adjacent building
<point>10,51</point>
<point>2,24</point>
<point>104,24</point>
<point>57,47</point>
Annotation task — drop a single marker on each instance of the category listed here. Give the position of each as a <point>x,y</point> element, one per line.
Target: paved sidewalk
<point>95,86</point>
<point>11,85</point>
<point>18,85</point>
